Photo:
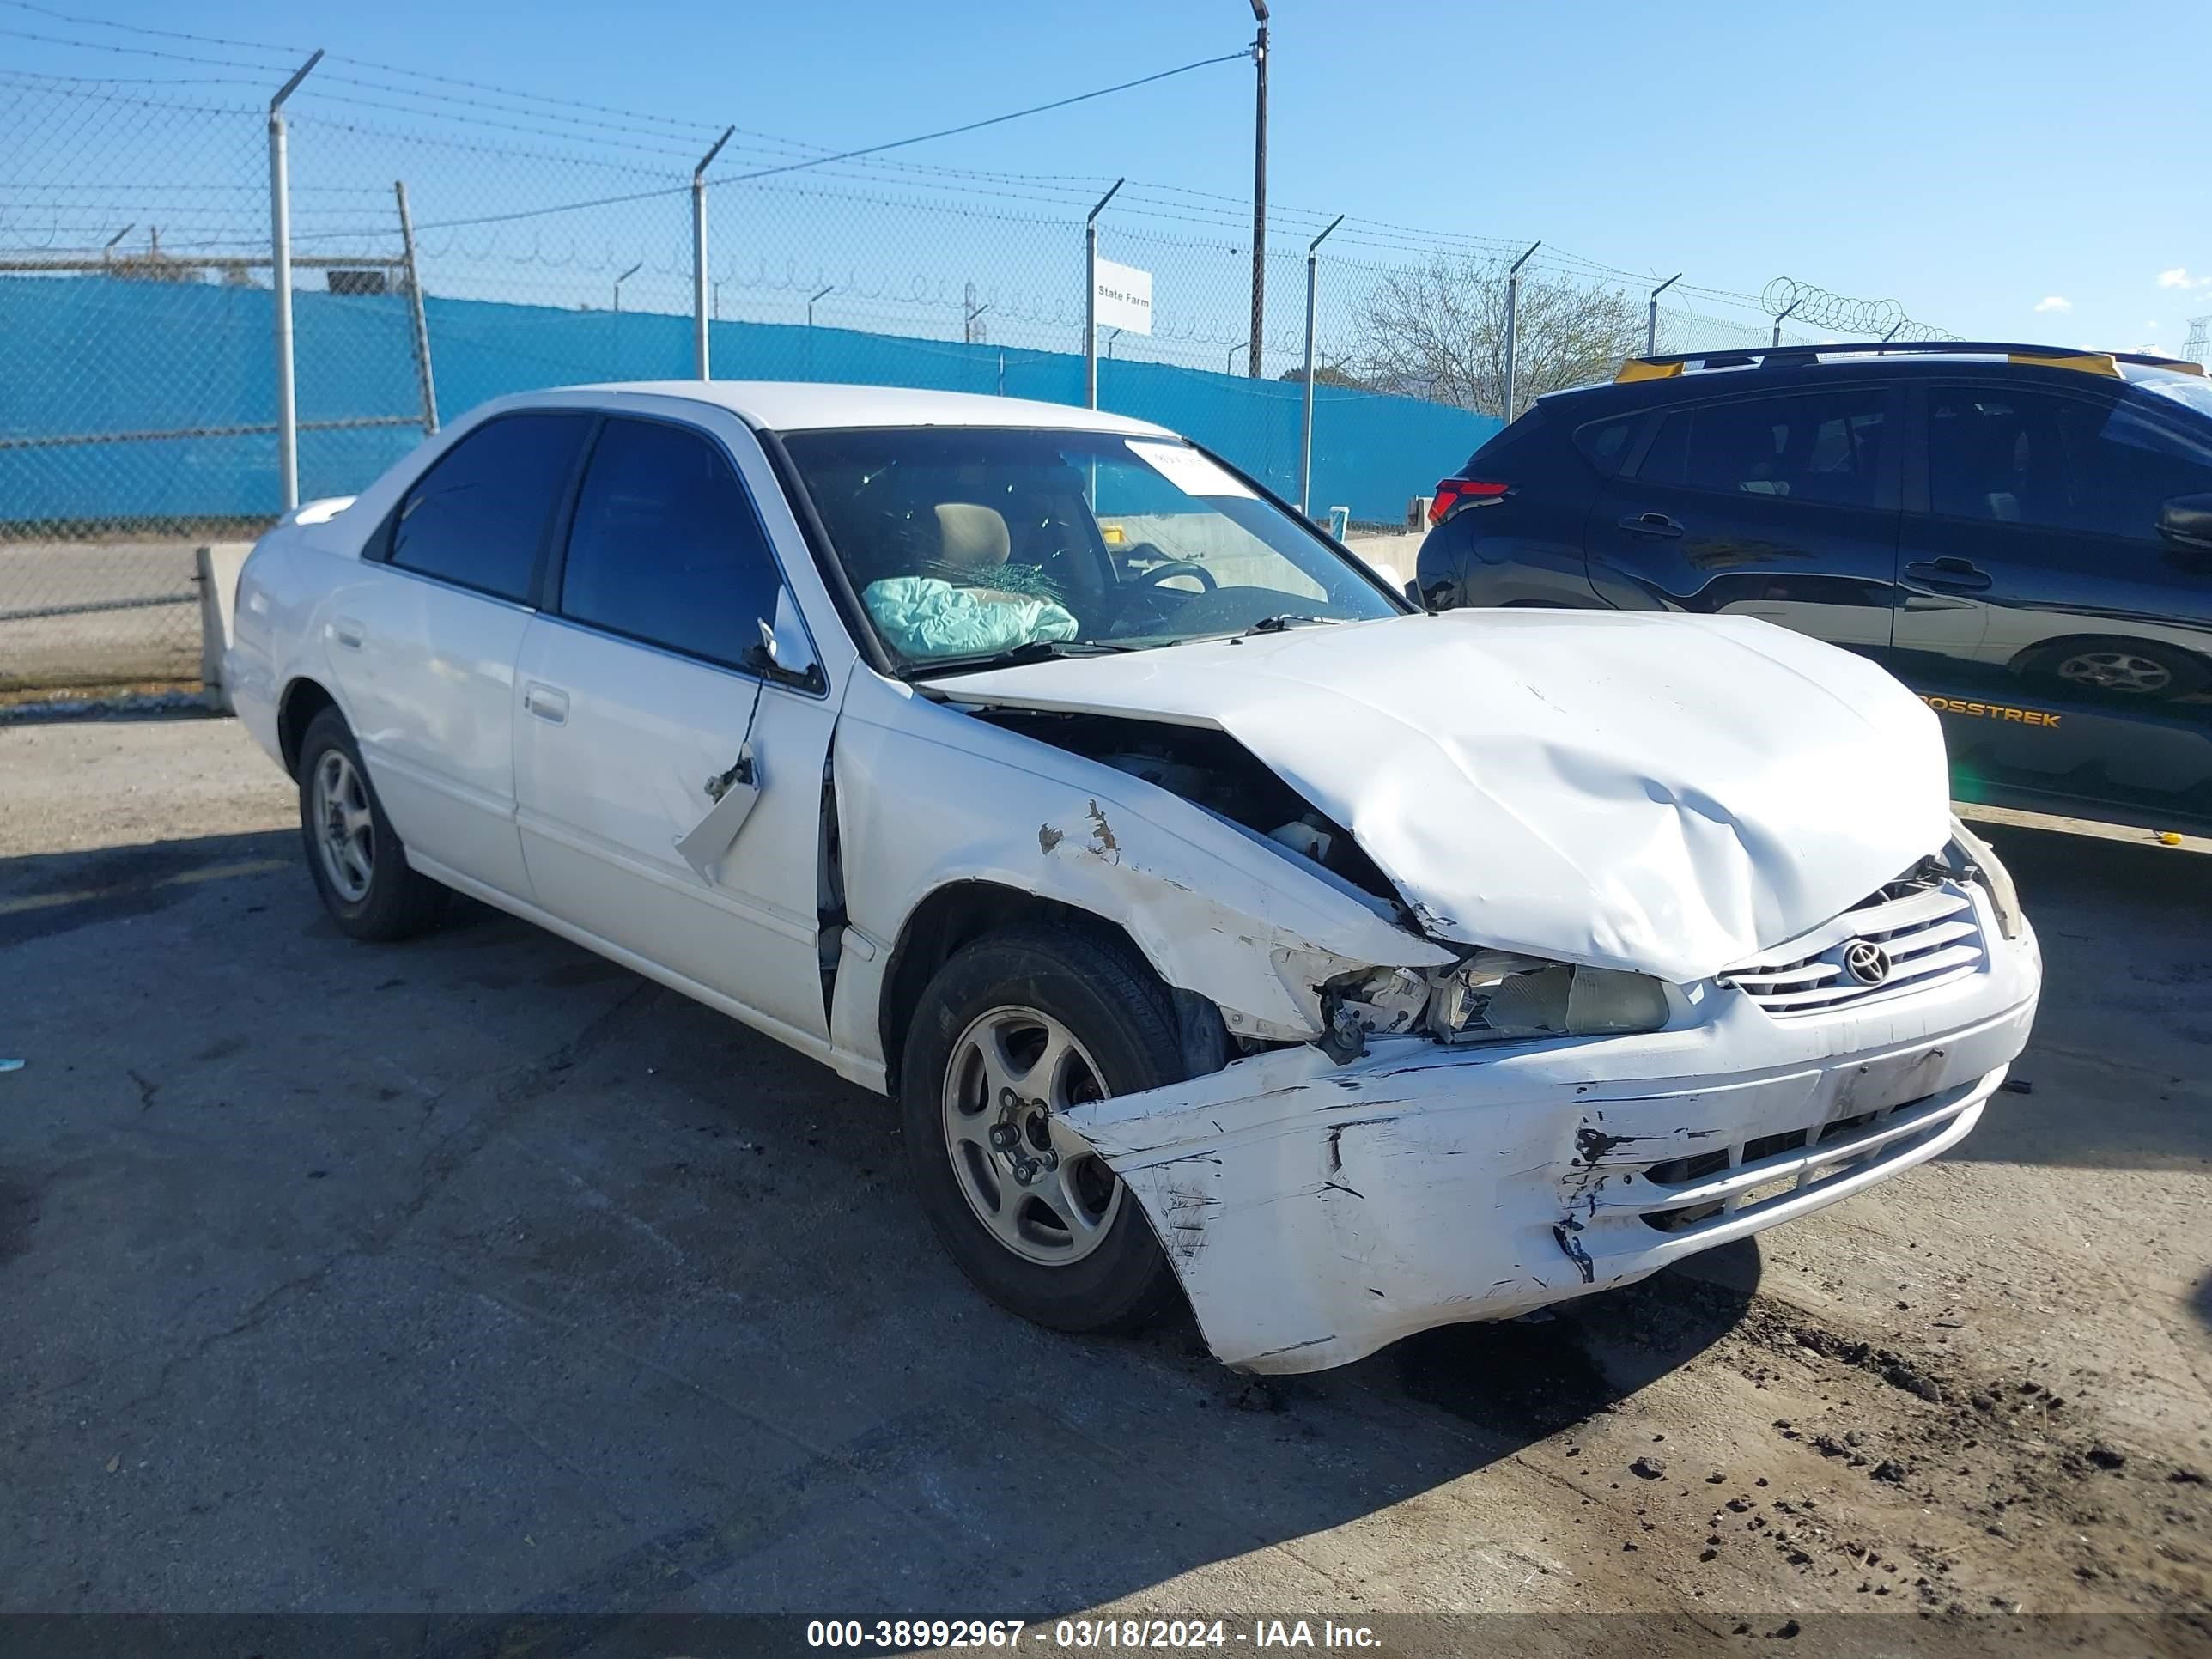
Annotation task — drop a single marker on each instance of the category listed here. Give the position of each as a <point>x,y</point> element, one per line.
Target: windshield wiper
<point>1028,650</point>
<point>1276,624</point>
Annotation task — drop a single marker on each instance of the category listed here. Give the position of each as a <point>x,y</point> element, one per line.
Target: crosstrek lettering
<point>1990,711</point>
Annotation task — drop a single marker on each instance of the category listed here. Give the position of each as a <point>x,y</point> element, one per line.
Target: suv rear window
<point>1522,438</point>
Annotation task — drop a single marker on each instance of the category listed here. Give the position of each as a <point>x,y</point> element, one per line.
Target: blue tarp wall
<point>91,358</point>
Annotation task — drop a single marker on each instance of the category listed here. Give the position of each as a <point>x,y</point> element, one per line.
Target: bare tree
<point>1438,331</point>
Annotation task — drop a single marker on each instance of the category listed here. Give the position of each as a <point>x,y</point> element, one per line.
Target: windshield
<point>967,544</point>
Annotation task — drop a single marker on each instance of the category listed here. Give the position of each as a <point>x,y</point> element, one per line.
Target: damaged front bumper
<point>1316,1211</point>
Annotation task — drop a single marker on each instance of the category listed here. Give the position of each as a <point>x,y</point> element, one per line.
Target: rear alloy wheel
<point>1014,1032</point>
<point>344,829</point>
<point>2117,671</point>
<point>359,865</point>
<point>2132,668</point>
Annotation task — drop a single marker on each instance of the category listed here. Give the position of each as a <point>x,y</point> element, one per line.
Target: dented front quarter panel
<point>1315,1212</point>
<point>1213,910</point>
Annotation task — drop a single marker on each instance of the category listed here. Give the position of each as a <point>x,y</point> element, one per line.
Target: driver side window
<point>2041,459</point>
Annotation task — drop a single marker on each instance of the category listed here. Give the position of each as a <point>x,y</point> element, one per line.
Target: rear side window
<point>665,546</point>
<point>479,517</point>
<point>1603,443</point>
<point>1818,446</point>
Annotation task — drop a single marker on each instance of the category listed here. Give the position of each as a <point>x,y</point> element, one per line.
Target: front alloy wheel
<point>1014,1032</point>
<point>1030,1178</point>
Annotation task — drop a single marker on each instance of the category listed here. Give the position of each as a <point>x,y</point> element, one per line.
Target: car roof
<point>1680,376</point>
<point>810,405</point>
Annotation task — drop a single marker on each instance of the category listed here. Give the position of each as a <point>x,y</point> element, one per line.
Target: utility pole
<point>620,280</point>
<point>699,342</point>
<point>280,257</point>
<point>1258,189</point>
<point>969,335</point>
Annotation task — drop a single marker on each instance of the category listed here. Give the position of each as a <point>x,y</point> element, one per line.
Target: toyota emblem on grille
<point>1866,961</point>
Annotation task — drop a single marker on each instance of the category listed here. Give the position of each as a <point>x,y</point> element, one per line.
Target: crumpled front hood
<point>1665,793</point>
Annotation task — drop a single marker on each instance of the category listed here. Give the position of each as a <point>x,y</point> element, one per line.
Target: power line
<point>135,51</point>
<point>840,155</point>
<point>139,28</point>
<point>992,121</point>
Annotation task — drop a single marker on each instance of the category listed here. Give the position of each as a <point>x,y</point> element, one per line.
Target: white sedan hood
<point>1669,794</point>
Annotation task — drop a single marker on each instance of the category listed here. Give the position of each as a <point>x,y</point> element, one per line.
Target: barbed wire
<point>1164,203</point>
<point>1816,308</point>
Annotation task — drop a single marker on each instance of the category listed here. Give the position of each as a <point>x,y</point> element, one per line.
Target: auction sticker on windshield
<point>1189,471</point>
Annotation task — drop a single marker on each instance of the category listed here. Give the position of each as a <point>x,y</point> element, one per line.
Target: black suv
<point>2022,534</point>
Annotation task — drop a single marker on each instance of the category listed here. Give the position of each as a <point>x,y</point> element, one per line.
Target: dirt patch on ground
<point>1886,1476</point>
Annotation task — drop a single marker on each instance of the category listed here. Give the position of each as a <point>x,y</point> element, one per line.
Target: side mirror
<point>783,653</point>
<point>2187,520</point>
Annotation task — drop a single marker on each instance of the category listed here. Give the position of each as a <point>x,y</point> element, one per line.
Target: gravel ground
<point>479,1276</point>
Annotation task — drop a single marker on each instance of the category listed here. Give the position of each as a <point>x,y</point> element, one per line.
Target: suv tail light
<point>1453,494</point>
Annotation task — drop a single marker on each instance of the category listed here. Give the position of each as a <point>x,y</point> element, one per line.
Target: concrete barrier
<point>215,569</point>
<point>1392,554</point>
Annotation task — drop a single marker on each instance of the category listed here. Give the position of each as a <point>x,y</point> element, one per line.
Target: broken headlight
<point>1497,997</point>
<point>1970,859</point>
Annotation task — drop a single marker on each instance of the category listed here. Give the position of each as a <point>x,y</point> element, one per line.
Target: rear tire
<point>2133,668</point>
<point>1012,1027</point>
<point>360,867</point>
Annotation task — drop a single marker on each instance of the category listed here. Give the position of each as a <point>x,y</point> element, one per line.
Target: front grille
<point>1756,1178</point>
<point>1923,928</point>
<point>1681,1193</point>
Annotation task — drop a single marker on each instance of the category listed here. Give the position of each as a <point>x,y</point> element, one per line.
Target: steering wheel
<point>1160,572</point>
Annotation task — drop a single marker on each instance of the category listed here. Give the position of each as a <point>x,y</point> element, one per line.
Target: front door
<point>640,689</point>
<point>1776,504</point>
<point>2066,642</point>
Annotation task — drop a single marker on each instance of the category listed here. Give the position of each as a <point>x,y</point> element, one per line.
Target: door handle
<point>347,632</point>
<point>1651,524</point>
<point>1960,573</point>
<point>550,703</point>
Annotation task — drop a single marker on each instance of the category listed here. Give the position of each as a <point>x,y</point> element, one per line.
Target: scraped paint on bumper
<point>1315,1212</point>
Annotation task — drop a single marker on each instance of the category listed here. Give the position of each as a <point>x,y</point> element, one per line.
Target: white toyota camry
<point>1215,922</point>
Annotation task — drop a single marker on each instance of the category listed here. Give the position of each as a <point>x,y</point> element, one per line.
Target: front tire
<point>360,867</point>
<point>1012,1031</point>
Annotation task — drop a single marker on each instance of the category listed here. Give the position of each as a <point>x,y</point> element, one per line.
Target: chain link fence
<point>552,244</point>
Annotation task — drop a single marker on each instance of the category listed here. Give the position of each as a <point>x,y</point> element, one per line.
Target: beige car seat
<point>973,540</point>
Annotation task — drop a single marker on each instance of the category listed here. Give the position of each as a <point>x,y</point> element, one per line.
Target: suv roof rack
<point>1666,365</point>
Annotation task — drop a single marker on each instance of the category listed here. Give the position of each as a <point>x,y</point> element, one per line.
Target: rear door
<point>423,641</point>
<point>641,688</point>
<point>1781,505</point>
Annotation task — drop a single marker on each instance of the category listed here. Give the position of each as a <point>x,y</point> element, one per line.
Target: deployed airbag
<point>924,616</point>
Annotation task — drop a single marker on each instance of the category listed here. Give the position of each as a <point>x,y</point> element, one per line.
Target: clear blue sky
<point>1973,161</point>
